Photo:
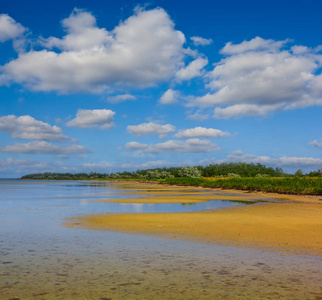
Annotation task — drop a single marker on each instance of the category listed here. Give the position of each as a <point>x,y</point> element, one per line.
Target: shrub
<point>191,172</point>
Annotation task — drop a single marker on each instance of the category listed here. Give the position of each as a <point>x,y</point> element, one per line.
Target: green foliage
<point>288,185</point>
<point>232,175</point>
<point>317,173</point>
<point>259,177</point>
<point>242,169</point>
<point>299,172</point>
<point>156,174</point>
<point>192,172</point>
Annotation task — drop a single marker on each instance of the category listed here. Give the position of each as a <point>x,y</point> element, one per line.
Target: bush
<point>191,172</point>
<point>232,175</point>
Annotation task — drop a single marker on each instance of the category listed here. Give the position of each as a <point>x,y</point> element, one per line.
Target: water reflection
<point>40,259</point>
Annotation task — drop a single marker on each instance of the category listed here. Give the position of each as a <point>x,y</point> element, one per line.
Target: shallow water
<point>41,259</point>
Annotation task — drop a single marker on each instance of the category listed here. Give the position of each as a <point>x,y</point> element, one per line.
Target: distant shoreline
<point>283,195</point>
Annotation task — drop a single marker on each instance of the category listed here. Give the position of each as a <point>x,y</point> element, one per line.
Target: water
<point>41,259</point>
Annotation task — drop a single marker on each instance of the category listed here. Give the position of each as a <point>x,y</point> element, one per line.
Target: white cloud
<point>41,147</point>
<point>26,127</point>
<point>256,44</point>
<point>198,115</point>
<point>86,118</point>
<point>151,128</point>
<point>9,28</point>
<point>16,167</point>
<point>149,165</point>
<point>141,51</point>
<point>154,164</point>
<point>169,97</point>
<point>21,164</point>
<point>101,166</point>
<point>201,132</point>
<point>120,98</point>
<point>194,69</point>
<point>199,41</point>
<point>244,110</point>
<point>316,143</point>
<point>258,78</point>
<point>291,162</point>
<point>81,33</point>
<point>173,146</point>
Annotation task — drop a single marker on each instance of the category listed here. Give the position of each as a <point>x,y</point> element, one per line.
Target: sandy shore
<point>175,198</point>
<point>155,186</point>
<point>293,227</point>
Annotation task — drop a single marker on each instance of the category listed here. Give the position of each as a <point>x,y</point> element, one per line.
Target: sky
<point>110,86</point>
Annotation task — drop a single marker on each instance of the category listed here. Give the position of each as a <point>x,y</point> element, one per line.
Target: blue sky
<point>109,86</point>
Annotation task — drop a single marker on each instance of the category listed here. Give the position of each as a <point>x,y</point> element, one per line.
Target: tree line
<point>240,169</point>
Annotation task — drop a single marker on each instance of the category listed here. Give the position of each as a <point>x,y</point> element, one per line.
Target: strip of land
<point>149,187</point>
<point>175,199</point>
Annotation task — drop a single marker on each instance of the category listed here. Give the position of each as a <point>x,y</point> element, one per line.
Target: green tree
<point>299,173</point>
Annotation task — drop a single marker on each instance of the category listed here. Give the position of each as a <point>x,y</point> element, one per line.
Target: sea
<point>40,258</point>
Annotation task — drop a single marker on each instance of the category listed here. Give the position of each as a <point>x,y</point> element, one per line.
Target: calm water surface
<point>41,259</point>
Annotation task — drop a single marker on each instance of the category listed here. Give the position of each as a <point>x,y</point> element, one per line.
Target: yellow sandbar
<point>175,199</point>
<point>160,192</point>
<point>293,227</point>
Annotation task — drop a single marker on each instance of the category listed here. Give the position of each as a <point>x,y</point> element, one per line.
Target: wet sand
<point>290,227</point>
<point>190,198</point>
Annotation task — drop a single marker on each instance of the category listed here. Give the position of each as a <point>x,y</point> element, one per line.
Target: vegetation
<point>285,185</point>
<point>244,176</point>
<point>215,170</point>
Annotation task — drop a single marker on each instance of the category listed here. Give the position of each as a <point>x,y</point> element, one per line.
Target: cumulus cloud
<point>86,118</point>
<point>201,132</point>
<point>120,98</point>
<point>194,69</point>
<point>239,110</point>
<point>316,143</point>
<point>151,128</point>
<point>291,162</point>
<point>26,127</point>
<point>141,51</point>
<point>256,44</point>
<point>169,97</point>
<point>41,147</point>
<point>199,41</point>
<point>258,77</point>
<point>9,28</point>
<point>173,146</point>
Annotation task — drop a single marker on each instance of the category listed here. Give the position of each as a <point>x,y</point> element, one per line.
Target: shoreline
<point>292,225</point>
<point>307,198</point>
<point>267,195</point>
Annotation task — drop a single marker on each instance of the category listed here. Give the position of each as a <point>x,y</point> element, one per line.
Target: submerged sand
<point>294,226</point>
